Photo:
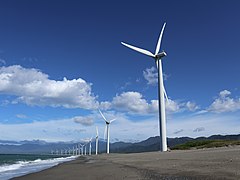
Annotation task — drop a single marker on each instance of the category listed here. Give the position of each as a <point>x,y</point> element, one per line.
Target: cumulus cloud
<point>175,106</point>
<point>172,106</point>
<point>151,75</point>
<point>224,103</point>
<point>33,87</point>
<point>191,106</point>
<point>85,121</point>
<point>224,93</point>
<point>135,103</point>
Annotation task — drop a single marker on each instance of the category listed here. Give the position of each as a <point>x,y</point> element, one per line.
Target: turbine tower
<point>76,151</point>
<point>81,149</point>
<point>161,90</point>
<point>107,128</point>
<point>96,140</point>
<point>90,147</point>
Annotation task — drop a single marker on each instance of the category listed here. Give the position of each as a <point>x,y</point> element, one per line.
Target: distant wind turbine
<point>107,130</point>
<point>90,146</point>
<point>76,150</point>
<point>161,90</point>
<point>81,149</point>
<point>85,150</point>
<point>96,140</point>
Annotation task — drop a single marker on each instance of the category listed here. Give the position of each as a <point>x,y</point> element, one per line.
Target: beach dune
<point>215,163</point>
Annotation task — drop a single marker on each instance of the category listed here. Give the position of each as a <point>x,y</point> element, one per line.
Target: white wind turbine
<point>81,149</point>
<point>76,150</point>
<point>107,128</point>
<point>90,146</point>
<point>96,140</point>
<point>161,90</point>
<point>73,150</point>
<point>85,150</point>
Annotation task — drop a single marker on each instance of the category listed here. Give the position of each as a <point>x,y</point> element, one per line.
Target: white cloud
<point>21,116</point>
<point>224,103</point>
<point>151,75</point>
<point>124,128</point>
<point>52,130</point>
<point>133,102</point>
<point>33,87</point>
<point>67,129</point>
<point>175,106</point>
<point>224,93</point>
<point>172,106</point>
<point>84,120</point>
<point>191,106</point>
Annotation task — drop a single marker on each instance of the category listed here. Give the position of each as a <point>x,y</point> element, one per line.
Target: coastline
<point>215,163</point>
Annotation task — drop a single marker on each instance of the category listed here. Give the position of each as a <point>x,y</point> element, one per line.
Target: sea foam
<point>20,168</point>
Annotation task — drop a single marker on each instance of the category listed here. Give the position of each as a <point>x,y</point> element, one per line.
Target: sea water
<point>14,165</point>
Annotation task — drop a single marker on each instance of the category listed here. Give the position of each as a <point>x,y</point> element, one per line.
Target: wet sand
<point>216,163</point>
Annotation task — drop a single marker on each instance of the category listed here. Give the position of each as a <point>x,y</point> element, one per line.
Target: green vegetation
<point>199,144</point>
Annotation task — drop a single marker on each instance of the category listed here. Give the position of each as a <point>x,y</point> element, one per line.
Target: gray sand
<point>216,163</point>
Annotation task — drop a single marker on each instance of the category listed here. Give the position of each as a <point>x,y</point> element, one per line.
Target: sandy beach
<point>216,163</point>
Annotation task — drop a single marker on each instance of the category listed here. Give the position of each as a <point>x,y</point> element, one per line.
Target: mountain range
<point>150,144</point>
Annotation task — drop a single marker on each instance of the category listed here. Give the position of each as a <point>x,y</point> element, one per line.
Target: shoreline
<point>214,163</point>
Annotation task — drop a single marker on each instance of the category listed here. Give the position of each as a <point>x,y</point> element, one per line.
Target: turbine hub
<point>161,55</point>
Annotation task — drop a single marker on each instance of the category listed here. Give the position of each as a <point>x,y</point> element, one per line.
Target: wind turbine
<point>76,150</point>
<point>96,140</point>
<point>85,150</point>
<point>81,149</point>
<point>73,150</point>
<point>90,146</point>
<point>161,90</point>
<point>107,128</point>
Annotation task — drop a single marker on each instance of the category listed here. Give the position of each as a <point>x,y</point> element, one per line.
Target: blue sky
<point>62,60</point>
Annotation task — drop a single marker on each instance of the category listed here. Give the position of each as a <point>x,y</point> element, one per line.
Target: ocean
<point>14,165</point>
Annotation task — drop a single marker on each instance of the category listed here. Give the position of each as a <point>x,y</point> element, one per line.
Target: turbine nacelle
<point>160,55</point>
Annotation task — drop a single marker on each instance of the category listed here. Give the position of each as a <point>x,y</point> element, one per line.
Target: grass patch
<point>199,144</point>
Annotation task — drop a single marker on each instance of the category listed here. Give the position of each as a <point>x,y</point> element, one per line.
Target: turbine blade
<point>156,63</point>
<point>96,132</point>
<point>102,115</point>
<point>112,120</point>
<point>165,93</point>
<point>143,51</point>
<point>159,40</point>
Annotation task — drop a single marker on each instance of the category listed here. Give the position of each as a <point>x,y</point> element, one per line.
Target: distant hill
<point>150,144</point>
<point>209,143</point>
